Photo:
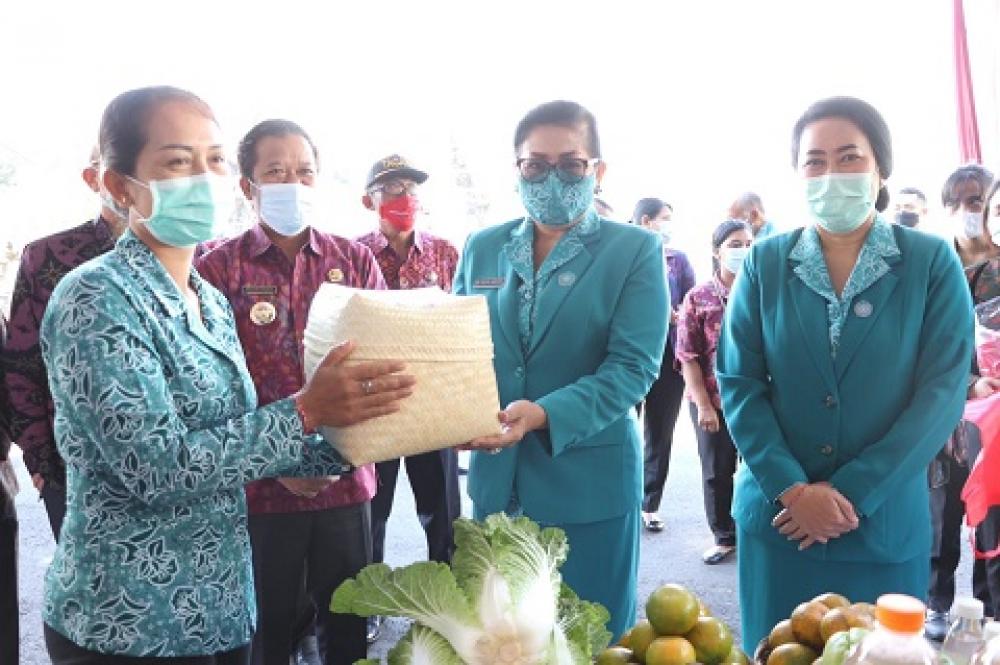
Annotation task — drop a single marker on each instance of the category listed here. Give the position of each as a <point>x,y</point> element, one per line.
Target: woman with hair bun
<point>842,367</point>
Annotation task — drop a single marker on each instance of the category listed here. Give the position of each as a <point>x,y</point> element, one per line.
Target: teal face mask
<point>187,211</point>
<point>841,202</point>
<point>557,203</point>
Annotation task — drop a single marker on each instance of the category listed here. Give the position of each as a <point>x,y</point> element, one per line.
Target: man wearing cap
<point>411,259</point>
<point>307,534</point>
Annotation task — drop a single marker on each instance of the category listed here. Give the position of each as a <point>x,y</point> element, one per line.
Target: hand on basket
<point>983,387</point>
<point>815,513</point>
<point>339,396</point>
<point>307,487</point>
<point>516,420</point>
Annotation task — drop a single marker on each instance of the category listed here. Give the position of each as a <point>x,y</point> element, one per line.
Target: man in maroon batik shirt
<point>306,533</point>
<point>43,263</point>
<point>410,259</point>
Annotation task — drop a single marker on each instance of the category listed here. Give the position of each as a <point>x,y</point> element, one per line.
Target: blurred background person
<point>663,402</point>
<point>911,207</point>
<point>10,638</point>
<point>964,197</point>
<point>749,207</point>
<point>698,328</point>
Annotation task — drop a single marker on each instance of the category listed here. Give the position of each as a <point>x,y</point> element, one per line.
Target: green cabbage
<point>841,643</point>
<point>502,601</point>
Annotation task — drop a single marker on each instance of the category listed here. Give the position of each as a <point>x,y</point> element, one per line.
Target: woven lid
<point>418,324</point>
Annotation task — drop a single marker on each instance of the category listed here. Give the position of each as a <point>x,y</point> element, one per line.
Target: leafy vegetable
<point>501,603</point>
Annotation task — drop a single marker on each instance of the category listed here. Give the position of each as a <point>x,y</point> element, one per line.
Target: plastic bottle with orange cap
<point>899,638</point>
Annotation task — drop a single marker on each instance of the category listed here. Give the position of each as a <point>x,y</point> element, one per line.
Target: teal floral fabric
<point>520,252</point>
<point>155,416</point>
<point>812,270</point>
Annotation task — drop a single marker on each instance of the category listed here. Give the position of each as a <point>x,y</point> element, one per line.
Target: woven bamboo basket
<point>446,344</point>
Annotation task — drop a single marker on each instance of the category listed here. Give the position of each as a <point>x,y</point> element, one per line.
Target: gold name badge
<point>263,313</point>
<point>335,275</point>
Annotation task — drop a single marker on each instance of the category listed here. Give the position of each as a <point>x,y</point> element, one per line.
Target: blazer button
<point>830,401</point>
<point>519,372</point>
<point>826,450</point>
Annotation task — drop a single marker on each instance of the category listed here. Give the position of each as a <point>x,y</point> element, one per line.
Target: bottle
<point>966,633</point>
<point>989,653</point>
<point>899,637</point>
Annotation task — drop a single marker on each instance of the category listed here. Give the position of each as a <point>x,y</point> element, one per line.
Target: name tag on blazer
<point>489,283</point>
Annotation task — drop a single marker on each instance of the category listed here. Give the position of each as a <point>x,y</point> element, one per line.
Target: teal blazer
<point>869,421</point>
<point>595,350</point>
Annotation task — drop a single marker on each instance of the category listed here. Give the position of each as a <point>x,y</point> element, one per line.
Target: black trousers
<point>308,554</point>
<point>718,466</point>
<point>10,637</point>
<point>64,652</point>
<point>947,478</point>
<point>54,497</point>
<point>434,481</point>
<point>663,404</point>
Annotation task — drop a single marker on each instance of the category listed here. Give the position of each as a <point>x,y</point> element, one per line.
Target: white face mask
<point>666,231</point>
<point>969,224</point>
<point>732,258</point>
<point>288,208</point>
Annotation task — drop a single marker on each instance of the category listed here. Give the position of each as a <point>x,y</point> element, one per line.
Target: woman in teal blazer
<point>842,366</point>
<point>578,311</point>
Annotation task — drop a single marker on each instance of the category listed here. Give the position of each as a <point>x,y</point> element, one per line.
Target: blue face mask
<point>841,202</point>
<point>286,207</point>
<point>557,203</point>
<point>188,210</point>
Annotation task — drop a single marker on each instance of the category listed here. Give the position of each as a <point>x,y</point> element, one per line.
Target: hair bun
<point>882,202</point>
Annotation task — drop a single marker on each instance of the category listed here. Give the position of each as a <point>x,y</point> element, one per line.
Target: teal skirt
<point>773,581</point>
<point>603,565</point>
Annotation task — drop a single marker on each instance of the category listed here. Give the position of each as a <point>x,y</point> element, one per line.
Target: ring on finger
<point>368,387</point>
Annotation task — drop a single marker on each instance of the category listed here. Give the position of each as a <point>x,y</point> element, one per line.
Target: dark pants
<point>947,478</point>
<point>64,652</point>
<point>434,481</point>
<point>9,614</point>
<point>718,466</point>
<point>663,404</point>
<point>54,497</point>
<point>311,552</point>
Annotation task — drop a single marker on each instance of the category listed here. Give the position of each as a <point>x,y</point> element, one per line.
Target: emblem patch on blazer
<point>263,313</point>
<point>863,309</point>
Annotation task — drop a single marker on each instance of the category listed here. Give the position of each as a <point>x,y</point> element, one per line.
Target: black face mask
<point>906,218</point>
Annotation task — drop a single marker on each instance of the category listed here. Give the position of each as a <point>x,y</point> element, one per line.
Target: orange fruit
<point>624,641</point>
<point>806,621</point>
<point>672,609</point>
<point>832,600</point>
<point>782,633</point>
<point>834,621</point>
<point>614,656</point>
<point>736,657</point>
<point>640,637</point>
<point>670,651</point>
<point>711,639</point>
<point>792,654</point>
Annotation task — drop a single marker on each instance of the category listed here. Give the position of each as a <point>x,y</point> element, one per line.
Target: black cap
<point>394,165</point>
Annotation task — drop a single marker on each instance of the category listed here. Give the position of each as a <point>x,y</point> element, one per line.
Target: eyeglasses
<point>568,169</point>
<point>396,188</point>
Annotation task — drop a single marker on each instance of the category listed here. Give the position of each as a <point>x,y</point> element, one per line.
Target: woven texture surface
<point>444,341</point>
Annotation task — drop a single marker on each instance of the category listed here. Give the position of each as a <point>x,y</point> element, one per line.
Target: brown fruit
<point>832,600</point>
<point>624,641</point>
<point>672,609</point>
<point>806,621</point>
<point>834,621</point>
<point>711,639</point>
<point>614,656</point>
<point>670,651</point>
<point>792,654</point>
<point>867,608</point>
<point>781,634</point>
<point>640,637</point>
<point>858,618</point>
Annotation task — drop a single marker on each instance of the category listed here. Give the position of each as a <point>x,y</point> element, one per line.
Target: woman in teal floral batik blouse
<point>156,415</point>
<point>842,368</point>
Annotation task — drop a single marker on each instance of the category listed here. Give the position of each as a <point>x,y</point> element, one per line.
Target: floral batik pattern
<point>156,419</point>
